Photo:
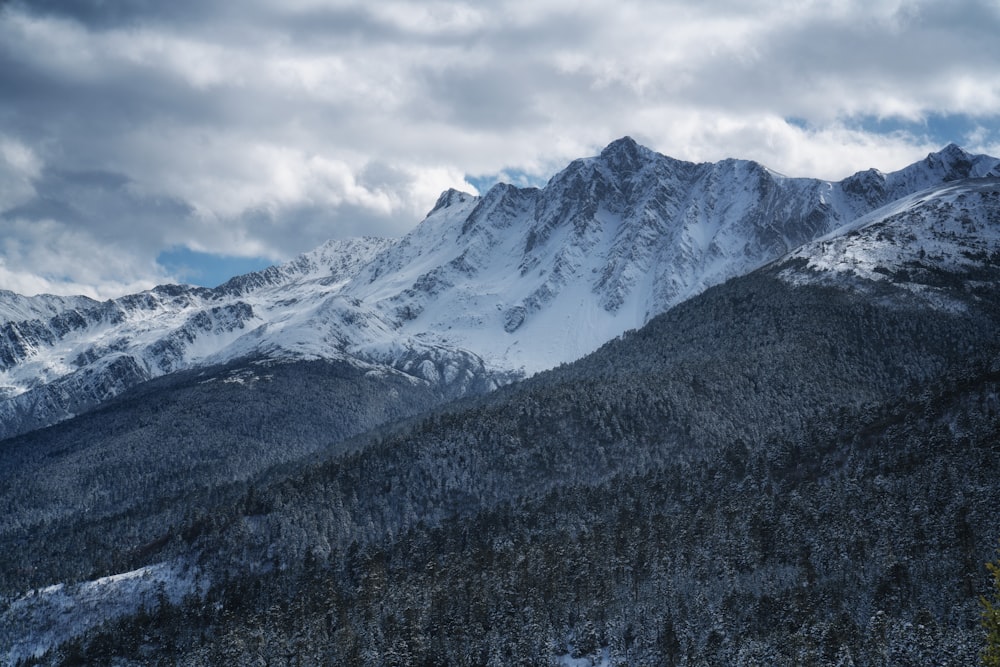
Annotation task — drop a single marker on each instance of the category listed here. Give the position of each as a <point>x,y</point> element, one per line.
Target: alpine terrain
<point>653,413</point>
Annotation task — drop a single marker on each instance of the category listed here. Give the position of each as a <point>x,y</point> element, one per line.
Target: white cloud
<point>19,166</point>
<point>431,18</point>
<point>57,47</point>
<point>265,130</point>
<point>45,256</point>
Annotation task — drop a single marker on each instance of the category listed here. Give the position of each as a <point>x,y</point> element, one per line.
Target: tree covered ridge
<point>766,474</point>
<point>752,559</point>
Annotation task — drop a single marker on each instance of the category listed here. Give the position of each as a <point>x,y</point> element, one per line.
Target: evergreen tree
<point>991,618</point>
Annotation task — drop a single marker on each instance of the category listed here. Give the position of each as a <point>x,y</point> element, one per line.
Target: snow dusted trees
<point>991,618</point>
<point>776,491</point>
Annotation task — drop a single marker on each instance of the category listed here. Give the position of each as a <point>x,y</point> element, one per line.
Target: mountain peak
<point>612,240</point>
<point>450,197</point>
<point>624,145</point>
<point>954,163</point>
<point>950,154</point>
<point>624,153</point>
<point>953,148</point>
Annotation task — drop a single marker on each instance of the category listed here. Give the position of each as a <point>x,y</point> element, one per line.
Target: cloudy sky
<point>144,141</point>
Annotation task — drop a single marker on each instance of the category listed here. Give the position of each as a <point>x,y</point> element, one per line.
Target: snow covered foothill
<point>950,230</point>
<point>46,617</point>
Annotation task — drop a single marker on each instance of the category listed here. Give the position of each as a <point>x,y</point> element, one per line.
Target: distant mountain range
<point>653,413</point>
<point>484,290</point>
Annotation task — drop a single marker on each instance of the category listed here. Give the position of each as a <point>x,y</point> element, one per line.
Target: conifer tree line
<point>767,474</point>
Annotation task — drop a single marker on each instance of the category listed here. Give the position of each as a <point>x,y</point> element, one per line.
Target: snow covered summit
<point>528,278</point>
<point>483,289</point>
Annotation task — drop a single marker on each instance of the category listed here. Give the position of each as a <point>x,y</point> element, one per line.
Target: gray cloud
<point>102,15</point>
<point>263,128</point>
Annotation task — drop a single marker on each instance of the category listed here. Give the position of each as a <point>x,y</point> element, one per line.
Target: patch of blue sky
<point>521,179</point>
<point>967,130</point>
<point>207,269</point>
<point>943,129</point>
<point>800,123</point>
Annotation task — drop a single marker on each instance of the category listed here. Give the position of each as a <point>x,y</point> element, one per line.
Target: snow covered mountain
<point>484,289</point>
<point>529,278</point>
<point>927,244</point>
<point>77,353</point>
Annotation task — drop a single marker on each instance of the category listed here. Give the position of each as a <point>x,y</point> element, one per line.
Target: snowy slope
<point>529,278</point>
<point>44,618</point>
<point>71,355</point>
<point>926,243</point>
<point>14,307</point>
<point>169,327</point>
<point>484,288</point>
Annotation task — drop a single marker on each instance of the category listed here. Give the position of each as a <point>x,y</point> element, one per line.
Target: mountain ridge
<point>482,290</point>
<point>796,466</point>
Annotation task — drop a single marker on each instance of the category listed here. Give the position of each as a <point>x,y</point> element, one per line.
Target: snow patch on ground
<point>601,660</point>
<point>44,618</point>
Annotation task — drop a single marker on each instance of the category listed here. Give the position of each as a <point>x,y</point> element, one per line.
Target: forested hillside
<point>798,466</point>
<point>81,496</point>
<point>770,473</point>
